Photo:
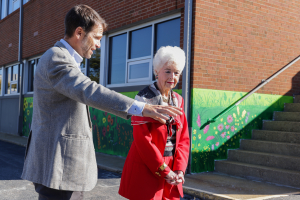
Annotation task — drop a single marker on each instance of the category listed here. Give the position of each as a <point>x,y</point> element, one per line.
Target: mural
<point>113,135</point>
<point>27,115</point>
<point>211,141</point>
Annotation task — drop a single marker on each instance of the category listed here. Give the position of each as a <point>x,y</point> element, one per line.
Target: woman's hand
<point>180,176</point>
<point>175,178</point>
<point>171,178</point>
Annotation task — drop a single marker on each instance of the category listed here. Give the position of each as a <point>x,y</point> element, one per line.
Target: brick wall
<point>237,43</point>
<point>44,21</point>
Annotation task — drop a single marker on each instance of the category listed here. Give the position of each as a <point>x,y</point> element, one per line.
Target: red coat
<point>141,177</point>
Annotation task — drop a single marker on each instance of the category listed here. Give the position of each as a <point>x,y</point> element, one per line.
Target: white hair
<point>168,55</point>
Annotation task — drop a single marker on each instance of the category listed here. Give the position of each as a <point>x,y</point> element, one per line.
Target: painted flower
<point>206,128</point>
<point>228,137</point>
<point>28,112</point>
<point>199,136</point>
<point>108,128</point>
<point>238,110</point>
<point>210,138</point>
<point>227,127</point>
<point>195,131</point>
<point>104,120</point>
<point>108,118</point>
<point>246,119</point>
<point>95,118</point>
<point>212,147</point>
<point>223,134</point>
<point>234,115</point>
<point>217,144</point>
<point>221,120</point>
<point>198,144</point>
<point>229,119</point>
<point>198,121</point>
<point>25,119</point>
<point>112,121</point>
<point>232,128</point>
<point>194,138</point>
<point>244,113</point>
<point>220,127</point>
<point>104,131</point>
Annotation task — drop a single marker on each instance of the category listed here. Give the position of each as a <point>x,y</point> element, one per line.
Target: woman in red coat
<point>158,157</point>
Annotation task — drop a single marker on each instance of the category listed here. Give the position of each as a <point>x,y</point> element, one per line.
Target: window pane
<point>31,71</point>
<point>1,80</point>
<point>167,33</point>
<point>94,72</point>
<point>14,88</point>
<point>15,73</point>
<point>117,59</point>
<point>139,71</point>
<point>20,77</point>
<point>8,78</point>
<point>82,66</point>
<point>13,5</point>
<point>140,42</point>
<point>3,9</point>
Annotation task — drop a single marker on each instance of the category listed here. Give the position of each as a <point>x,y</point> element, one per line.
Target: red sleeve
<point>148,151</point>
<point>183,147</point>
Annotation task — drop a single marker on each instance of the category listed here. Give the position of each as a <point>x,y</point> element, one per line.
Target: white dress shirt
<point>136,108</point>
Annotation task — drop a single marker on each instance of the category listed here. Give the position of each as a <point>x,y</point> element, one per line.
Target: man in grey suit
<point>60,155</point>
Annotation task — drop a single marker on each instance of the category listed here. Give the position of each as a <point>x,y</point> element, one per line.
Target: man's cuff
<point>137,108</point>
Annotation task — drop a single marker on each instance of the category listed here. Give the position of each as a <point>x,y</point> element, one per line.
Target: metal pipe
<point>20,83</point>
<point>187,46</point>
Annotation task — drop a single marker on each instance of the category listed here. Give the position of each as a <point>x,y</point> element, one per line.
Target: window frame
<point>105,65</point>
<point>28,75</point>
<point>11,82</point>
<point>2,81</point>
<point>7,10</point>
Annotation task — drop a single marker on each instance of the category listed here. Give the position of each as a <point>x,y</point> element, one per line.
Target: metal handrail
<point>263,83</point>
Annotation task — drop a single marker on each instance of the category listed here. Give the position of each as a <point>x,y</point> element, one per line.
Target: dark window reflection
<point>167,34</point>
<point>140,43</point>
<point>8,78</point>
<point>117,59</point>
<point>32,68</point>
<point>94,70</point>
<point>1,72</point>
<point>15,73</point>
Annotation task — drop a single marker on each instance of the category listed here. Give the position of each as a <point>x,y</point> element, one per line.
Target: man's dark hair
<point>82,16</point>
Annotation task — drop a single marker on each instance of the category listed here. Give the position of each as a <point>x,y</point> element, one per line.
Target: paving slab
<point>209,185</point>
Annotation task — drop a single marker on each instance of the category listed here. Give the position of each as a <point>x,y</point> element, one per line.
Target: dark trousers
<point>46,193</point>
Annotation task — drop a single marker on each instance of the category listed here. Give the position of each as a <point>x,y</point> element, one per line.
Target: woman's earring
<point>156,76</point>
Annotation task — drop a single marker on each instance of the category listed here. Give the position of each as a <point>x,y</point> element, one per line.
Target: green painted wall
<point>210,142</point>
<point>113,135</point>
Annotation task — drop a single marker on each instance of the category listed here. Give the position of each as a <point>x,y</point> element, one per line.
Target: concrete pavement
<point>209,185</point>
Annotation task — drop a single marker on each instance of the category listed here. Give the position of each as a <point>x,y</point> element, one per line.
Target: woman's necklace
<point>166,99</point>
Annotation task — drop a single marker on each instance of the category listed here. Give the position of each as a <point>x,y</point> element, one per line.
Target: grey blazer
<point>60,153</point>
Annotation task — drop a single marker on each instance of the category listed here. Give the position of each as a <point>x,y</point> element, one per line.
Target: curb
<point>202,194</point>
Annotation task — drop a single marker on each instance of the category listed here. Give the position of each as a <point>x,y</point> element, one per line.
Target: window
<point>94,69</point>
<point>131,52</point>
<point>12,77</point>
<point>8,6</point>
<point>13,5</point>
<point>1,81</point>
<point>32,64</point>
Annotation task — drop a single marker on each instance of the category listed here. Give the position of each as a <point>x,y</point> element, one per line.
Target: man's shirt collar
<point>74,54</point>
